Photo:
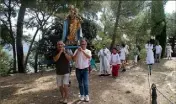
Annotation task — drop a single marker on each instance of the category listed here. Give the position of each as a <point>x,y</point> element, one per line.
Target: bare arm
<point>67,56</point>
<point>55,58</point>
<point>87,55</point>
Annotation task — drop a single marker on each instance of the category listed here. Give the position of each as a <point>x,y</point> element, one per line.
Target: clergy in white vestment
<point>105,57</point>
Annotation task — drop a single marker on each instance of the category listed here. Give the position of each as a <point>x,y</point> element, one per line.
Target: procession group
<point>110,63</point>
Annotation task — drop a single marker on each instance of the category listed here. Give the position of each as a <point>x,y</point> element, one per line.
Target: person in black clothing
<point>61,59</point>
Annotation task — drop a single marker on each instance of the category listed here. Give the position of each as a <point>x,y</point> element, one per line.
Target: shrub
<point>4,63</point>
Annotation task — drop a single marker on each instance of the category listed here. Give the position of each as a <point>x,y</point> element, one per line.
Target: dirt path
<point>130,87</point>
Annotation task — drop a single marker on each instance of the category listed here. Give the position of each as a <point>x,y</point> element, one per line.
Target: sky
<point>170,6</point>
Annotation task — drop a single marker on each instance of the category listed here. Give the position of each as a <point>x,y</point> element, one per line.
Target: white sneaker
<point>87,98</point>
<point>65,101</point>
<point>82,97</point>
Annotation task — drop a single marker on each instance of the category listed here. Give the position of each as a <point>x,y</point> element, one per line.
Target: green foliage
<point>157,17</point>
<point>107,19</point>
<point>143,54</point>
<point>171,24</point>
<point>90,8</point>
<point>138,29</point>
<point>158,27</point>
<point>4,63</point>
<point>128,8</point>
<point>89,29</point>
<point>5,35</point>
<point>7,12</point>
<point>100,40</point>
<point>132,22</point>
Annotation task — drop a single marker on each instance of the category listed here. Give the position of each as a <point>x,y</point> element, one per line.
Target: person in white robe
<point>158,51</point>
<point>127,53</point>
<point>150,55</point>
<point>123,57</point>
<point>105,57</point>
<point>169,51</point>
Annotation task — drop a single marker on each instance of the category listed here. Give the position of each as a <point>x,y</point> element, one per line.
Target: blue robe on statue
<point>66,31</point>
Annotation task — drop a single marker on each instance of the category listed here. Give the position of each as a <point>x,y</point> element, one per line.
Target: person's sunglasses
<point>83,44</point>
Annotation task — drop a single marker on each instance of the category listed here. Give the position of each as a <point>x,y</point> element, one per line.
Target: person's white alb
<point>158,50</point>
<point>123,54</point>
<point>169,51</point>
<point>123,57</point>
<point>115,59</point>
<point>105,57</point>
<point>150,55</point>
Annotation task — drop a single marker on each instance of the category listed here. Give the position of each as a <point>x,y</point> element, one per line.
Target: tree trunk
<point>162,40</point>
<point>30,47</point>
<point>173,46</point>
<point>19,45</point>
<point>104,15</point>
<point>12,37</point>
<point>159,23</point>
<point>14,58</point>
<point>36,61</point>
<point>116,25</point>
<point>13,47</point>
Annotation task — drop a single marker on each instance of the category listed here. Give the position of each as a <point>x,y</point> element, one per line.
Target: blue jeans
<point>83,81</point>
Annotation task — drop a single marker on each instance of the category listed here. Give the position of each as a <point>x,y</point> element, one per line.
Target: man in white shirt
<point>82,57</point>
<point>158,50</point>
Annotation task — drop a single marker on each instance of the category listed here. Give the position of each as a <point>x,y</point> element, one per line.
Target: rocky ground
<point>131,87</point>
